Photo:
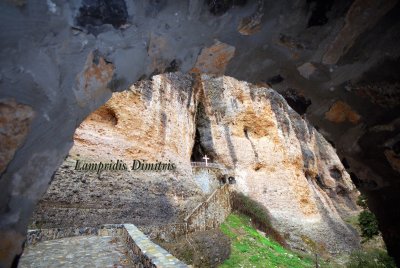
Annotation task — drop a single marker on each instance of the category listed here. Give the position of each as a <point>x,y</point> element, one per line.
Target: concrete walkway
<point>81,251</point>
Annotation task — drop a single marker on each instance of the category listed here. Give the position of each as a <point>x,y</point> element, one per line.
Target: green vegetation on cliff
<point>250,248</point>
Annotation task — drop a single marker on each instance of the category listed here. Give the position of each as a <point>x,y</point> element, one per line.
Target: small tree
<point>367,220</point>
<point>368,224</point>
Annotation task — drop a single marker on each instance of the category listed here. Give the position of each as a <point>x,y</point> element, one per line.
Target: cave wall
<point>61,60</point>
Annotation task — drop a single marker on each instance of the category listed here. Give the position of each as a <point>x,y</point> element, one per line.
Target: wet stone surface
<point>83,251</point>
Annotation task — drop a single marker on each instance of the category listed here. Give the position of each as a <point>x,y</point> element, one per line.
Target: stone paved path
<point>82,251</point>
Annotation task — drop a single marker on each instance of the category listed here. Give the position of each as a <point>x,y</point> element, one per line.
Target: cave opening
<point>296,100</point>
<point>65,63</point>
<point>203,141</point>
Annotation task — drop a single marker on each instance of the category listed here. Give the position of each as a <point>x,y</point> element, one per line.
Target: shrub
<point>362,201</point>
<point>260,216</point>
<point>368,224</point>
<point>370,259</point>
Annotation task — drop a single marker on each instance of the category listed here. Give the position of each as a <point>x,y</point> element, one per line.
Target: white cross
<point>206,158</point>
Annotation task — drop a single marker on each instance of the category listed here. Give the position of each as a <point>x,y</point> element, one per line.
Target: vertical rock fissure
<point>231,148</point>
<point>246,134</point>
<point>203,141</point>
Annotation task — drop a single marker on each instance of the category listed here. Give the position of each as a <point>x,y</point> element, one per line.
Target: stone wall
<point>39,235</point>
<point>211,213</point>
<point>207,178</point>
<point>146,254</point>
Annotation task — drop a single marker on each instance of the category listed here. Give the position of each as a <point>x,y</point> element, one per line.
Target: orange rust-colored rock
<point>10,246</point>
<point>278,158</point>
<point>15,119</point>
<point>250,25</point>
<point>92,82</point>
<point>102,71</point>
<point>140,123</point>
<point>214,59</point>
<point>341,112</point>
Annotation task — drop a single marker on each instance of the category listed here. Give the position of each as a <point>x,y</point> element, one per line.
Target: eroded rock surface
<point>276,156</point>
<point>281,161</point>
<point>138,124</point>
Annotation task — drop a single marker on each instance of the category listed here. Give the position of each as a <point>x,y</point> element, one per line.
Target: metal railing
<point>209,165</point>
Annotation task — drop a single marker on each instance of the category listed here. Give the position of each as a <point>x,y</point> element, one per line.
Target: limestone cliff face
<point>151,122</point>
<point>277,158</point>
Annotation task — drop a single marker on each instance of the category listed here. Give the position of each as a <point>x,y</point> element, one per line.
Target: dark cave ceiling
<point>336,62</point>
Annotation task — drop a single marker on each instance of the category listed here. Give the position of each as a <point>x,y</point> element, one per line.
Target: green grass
<point>260,216</point>
<point>250,249</point>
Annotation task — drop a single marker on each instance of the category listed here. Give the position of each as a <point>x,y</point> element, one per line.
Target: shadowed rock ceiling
<point>336,62</point>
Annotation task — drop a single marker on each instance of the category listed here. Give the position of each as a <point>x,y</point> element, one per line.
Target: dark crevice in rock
<point>108,115</point>
<point>335,173</point>
<point>280,110</point>
<point>16,261</point>
<point>117,84</point>
<point>146,90</point>
<point>219,7</point>
<point>275,79</point>
<point>331,143</point>
<point>319,181</point>
<point>203,141</point>
<point>298,102</point>
<point>172,67</point>
<point>231,148</point>
<point>95,13</point>
<point>246,134</point>
<point>357,182</point>
<point>164,120</point>
<point>155,72</point>
<point>341,190</point>
<point>198,150</point>
<point>318,16</point>
<point>345,163</point>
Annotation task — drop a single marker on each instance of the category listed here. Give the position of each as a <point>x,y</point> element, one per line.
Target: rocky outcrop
<point>140,124</point>
<point>281,161</point>
<point>276,156</point>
